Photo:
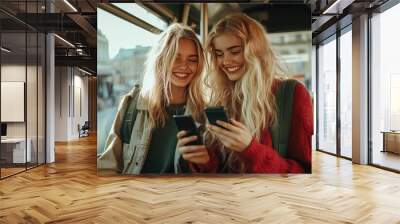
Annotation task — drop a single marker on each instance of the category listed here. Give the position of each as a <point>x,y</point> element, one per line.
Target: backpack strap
<point>280,130</point>
<point>129,117</point>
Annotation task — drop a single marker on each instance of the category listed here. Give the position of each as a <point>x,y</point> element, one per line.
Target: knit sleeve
<point>261,157</point>
<point>211,167</point>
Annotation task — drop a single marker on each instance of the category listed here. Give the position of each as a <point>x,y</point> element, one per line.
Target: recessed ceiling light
<point>64,40</point>
<point>86,72</point>
<point>337,7</point>
<point>70,5</point>
<point>5,50</point>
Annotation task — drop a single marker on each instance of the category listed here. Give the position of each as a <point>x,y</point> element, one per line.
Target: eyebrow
<point>230,48</point>
<point>190,56</point>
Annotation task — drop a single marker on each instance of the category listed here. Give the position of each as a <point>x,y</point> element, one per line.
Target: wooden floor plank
<point>69,191</point>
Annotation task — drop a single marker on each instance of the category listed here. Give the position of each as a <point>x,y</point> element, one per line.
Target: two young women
<point>243,76</point>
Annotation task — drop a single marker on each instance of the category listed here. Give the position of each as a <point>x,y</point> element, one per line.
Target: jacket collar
<point>142,103</point>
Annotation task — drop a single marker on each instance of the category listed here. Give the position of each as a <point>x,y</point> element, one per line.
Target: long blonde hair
<point>157,79</point>
<point>251,99</point>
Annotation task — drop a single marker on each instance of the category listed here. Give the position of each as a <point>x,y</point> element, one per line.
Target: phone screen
<point>216,113</point>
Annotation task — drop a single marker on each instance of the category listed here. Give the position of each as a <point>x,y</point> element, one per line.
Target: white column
<point>50,92</point>
<point>50,100</point>
<point>360,90</point>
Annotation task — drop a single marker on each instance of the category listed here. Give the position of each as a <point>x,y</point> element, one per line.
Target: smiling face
<point>229,53</point>
<point>185,64</point>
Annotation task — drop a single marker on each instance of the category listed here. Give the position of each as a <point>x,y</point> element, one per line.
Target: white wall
<point>70,83</point>
<point>79,117</point>
<point>16,73</point>
<point>61,103</point>
<point>33,126</point>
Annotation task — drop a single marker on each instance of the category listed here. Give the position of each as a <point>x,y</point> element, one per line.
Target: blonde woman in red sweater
<point>244,76</point>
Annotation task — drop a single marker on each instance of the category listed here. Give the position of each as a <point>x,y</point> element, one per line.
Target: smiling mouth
<point>233,68</point>
<point>181,75</point>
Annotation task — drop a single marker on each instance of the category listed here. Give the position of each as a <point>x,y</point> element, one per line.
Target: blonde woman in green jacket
<point>143,136</point>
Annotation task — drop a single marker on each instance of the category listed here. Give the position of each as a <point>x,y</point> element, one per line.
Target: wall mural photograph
<point>181,97</point>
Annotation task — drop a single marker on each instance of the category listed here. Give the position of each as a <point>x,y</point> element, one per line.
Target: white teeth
<point>181,75</point>
<point>233,69</point>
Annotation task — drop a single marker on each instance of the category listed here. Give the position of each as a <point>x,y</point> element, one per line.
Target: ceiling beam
<point>337,7</point>
<point>185,14</point>
<point>160,9</point>
<point>114,10</point>
<point>83,61</point>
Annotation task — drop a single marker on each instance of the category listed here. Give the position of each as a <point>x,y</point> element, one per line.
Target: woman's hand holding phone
<point>236,136</point>
<point>193,153</point>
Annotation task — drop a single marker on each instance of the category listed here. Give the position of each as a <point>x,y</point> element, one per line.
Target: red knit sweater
<point>261,157</point>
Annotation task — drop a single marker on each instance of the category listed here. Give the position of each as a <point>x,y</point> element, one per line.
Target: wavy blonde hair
<point>251,99</point>
<point>157,79</point>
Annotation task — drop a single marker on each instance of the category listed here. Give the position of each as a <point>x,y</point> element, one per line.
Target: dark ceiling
<point>79,27</point>
<point>276,17</point>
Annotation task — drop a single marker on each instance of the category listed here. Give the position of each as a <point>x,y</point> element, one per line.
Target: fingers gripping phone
<point>186,123</point>
<point>216,113</point>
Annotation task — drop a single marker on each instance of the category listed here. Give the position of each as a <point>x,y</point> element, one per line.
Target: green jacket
<point>122,158</point>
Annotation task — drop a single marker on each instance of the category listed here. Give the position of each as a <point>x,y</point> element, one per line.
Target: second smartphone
<point>216,113</point>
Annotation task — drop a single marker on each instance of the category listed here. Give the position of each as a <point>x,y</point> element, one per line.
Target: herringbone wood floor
<point>69,191</point>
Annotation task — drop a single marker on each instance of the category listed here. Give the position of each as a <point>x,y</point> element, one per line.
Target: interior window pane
<point>386,89</point>
<point>327,96</point>
<point>15,151</point>
<point>346,94</point>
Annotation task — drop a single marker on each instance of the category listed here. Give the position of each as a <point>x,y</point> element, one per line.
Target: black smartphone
<point>216,113</point>
<point>186,123</point>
